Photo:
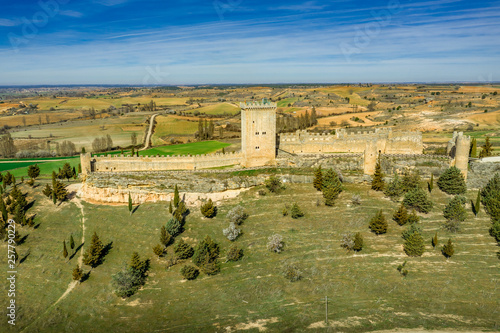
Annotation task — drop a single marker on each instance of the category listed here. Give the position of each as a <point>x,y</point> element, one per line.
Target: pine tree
<point>401,215</point>
<point>395,188</point>
<point>378,223</point>
<point>473,148</point>
<point>378,178</point>
<point>71,242</point>
<point>430,185</point>
<point>331,187</point>
<point>174,227</point>
<point>435,241</point>
<point>454,210</point>
<point>206,251</point>
<point>358,242</point>
<point>65,250</point>
<point>33,171</point>
<point>447,249</point>
<point>130,204</point>
<point>318,179</point>
<point>414,245</point>
<point>176,196</point>
<point>47,191</point>
<point>452,181</point>
<point>60,191</point>
<point>165,237</point>
<point>19,215</point>
<point>183,250</point>
<point>77,273</point>
<point>92,256</point>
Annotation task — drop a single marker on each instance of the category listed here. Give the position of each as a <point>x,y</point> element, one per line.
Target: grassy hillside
<point>365,289</point>
<point>193,148</point>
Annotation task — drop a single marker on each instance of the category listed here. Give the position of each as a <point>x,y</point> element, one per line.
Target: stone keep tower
<point>258,133</point>
<point>458,149</point>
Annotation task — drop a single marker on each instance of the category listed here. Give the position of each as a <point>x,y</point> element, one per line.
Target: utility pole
<point>326,310</point>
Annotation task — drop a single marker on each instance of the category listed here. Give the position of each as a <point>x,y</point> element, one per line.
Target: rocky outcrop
<point>159,186</point>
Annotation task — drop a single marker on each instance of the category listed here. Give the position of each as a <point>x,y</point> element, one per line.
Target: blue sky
<point>247,41</point>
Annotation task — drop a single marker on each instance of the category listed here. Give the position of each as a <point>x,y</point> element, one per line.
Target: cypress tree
<point>447,249</point>
<point>318,179</point>
<point>435,241</point>
<point>65,251</point>
<point>79,168</point>
<point>71,242</point>
<point>401,215</point>
<point>133,151</point>
<point>473,148</point>
<point>378,183</point>
<point>170,210</point>
<point>430,185</point>
<point>378,223</point>
<point>129,203</point>
<point>165,237</point>
<point>54,197</point>
<point>176,196</point>
<point>487,148</point>
<point>477,205</point>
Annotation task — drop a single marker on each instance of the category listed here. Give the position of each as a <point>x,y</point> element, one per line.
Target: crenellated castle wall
<point>385,140</point>
<point>120,163</point>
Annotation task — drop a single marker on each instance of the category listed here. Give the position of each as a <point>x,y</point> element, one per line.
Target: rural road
<point>150,132</point>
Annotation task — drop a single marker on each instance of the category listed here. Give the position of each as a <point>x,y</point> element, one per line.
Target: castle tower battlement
<point>258,133</point>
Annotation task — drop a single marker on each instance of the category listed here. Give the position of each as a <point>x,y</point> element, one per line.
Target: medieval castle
<point>261,146</point>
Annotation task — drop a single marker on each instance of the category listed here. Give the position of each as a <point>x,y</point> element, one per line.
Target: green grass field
<point>193,148</point>
<point>218,109</point>
<point>366,291</point>
<point>168,127</point>
<point>21,169</point>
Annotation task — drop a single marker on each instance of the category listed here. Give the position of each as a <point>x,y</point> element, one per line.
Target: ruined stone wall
<point>340,162</point>
<point>481,171</point>
<point>120,163</point>
<point>425,164</point>
<point>386,141</point>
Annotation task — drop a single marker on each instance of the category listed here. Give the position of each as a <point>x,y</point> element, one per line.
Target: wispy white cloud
<point>304,7</point>
<point>8,23</point>
<point>71,13</point>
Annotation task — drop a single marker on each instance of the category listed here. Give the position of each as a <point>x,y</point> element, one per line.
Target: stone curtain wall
<point>119,163</point>
<point>386,141</point>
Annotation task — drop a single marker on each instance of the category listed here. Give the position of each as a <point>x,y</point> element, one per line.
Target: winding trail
<point>72,284</point>
<point>150,132</point>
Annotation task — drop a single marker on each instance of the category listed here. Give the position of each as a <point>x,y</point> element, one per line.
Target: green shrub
<point>159,250</point>
<point>394,189</point>
<point>411,180</point>
<point>412,228</point>
<point>358,242</point>
<point>452,181</point>
<point>291,272</point>
<point>206,251</point>
<point>378,224</point>
<point>234,253</point>
<point>208,209</point>
<point>190,272</point>
<point>183,250</point>
<point>401,215</point>
<point>490,198</point>
<point>273,184</point>
<point>447,249</point>
<point>455,210</point>
<point>174,227</point>
<point>418,199</point>
<point>413,217</point>
<point>414,245</point>
<point>296,212</point>
<point>495,231</point>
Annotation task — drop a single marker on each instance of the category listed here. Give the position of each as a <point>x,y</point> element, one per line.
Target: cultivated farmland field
<point>366,291</point>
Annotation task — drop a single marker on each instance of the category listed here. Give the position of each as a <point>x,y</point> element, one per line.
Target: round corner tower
<point>258,133</point>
